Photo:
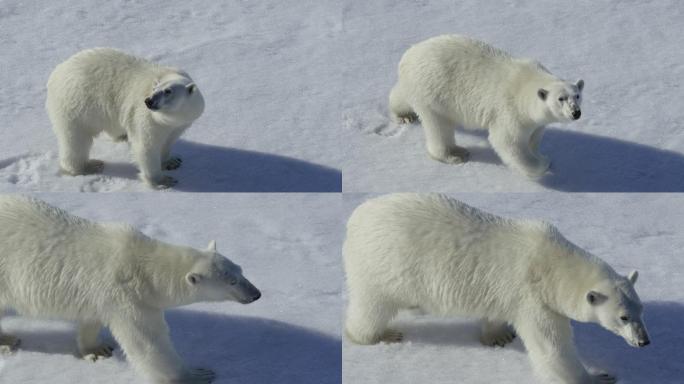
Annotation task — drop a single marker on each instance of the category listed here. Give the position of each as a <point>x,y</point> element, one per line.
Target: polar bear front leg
<point>144,337</point>
<point>439,137</point>
<point>148,156</point>
<point>548,339</point>
<point>169,162</point>
<point>515,152</point>
<point>88,342</point>
<point>535,141</point>
<point>496,333</point>
<point>8,343</point>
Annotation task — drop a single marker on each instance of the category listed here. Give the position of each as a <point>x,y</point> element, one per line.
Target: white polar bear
<point>449,81</point>
<point>56,265</point>
<point>444,257</point>
<point>127,97</point>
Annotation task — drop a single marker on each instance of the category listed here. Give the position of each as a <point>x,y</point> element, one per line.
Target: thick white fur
<point>104,89</point>
<point>429,251</point>
<point>56,265</point>
<point>450,81</point>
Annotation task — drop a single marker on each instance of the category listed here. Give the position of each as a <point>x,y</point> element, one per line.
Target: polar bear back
<point>102,87</point>
<point>442,255</point>
<point>465,79</point>
<point>56,264</point>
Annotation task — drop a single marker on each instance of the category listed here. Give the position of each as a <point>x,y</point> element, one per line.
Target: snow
<point>630,137</point>
<point>263,68</point>
<point>287,245</point>
<point>629,231</point>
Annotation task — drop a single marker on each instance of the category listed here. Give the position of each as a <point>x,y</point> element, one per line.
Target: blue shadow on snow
<point>246,350</point>
<point>659,362</point>
<point>581,162</point>
<point>210,168</point>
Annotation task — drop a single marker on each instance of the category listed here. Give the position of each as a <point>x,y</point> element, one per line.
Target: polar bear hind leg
<point>496,333</point>
<point>400,109</point>
<point>367,322</point>
<point>74,150</point>
<point>439,137</point>
<point>88,343</point>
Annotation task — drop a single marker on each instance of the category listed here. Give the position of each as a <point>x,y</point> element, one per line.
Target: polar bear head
<point>176,98</point>
<point>614,304</point>
<point>215,278</point>
<point>563,100</point>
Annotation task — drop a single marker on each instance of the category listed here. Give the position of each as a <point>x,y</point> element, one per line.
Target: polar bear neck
<point>567,274</point>
<point>164,267</point>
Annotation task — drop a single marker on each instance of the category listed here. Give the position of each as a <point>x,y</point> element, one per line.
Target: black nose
<point>643,343</point>
<point>576,114</point>
<point>256,297</point>
<point>150,104</point>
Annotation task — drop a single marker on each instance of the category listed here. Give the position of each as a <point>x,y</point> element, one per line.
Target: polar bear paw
<point>603,378</point>
<point>539,169</point>
<point>99,352</point>
<point>197,376</point>
<point>172,163</point>
<point>454,155</point>
<point>93,166</point>
<point>391,336</point>
<point>9,344</point>
<point>499,336</point>
<point>408,118</point>
<point>164,182</point>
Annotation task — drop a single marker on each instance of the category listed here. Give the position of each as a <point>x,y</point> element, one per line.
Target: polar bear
<point>521,277</point>
<point>129,98</point>
<point>56,265</point>
<point>451,80</point>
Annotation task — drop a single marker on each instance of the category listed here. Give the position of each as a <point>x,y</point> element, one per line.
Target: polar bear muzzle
<point>152,102</point>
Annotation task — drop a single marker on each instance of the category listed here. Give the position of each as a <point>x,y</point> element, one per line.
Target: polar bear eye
<point>577,97</point>
<point>561,99</point>
<point>624,318</point>
<point>168,91</point>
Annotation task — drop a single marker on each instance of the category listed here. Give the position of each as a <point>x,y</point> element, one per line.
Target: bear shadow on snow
<point>582,162</point>
<point>660,362</point>
<point>242,349</point>
<point>209,168</point>
<point>445,333</point>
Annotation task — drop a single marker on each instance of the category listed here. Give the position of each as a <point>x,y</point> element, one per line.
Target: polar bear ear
<point>595,298</point>
<point>191,88</point>
<point>633,276</point>
<point>542,93</point>
<point>580,84</point>
<point>193,278</point>
<point>212,246</point>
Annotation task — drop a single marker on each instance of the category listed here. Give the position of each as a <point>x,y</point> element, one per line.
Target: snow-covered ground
<point>264,68</point>
<point>630,136</point>
<point>288,246</point>
<point>629,231</point>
